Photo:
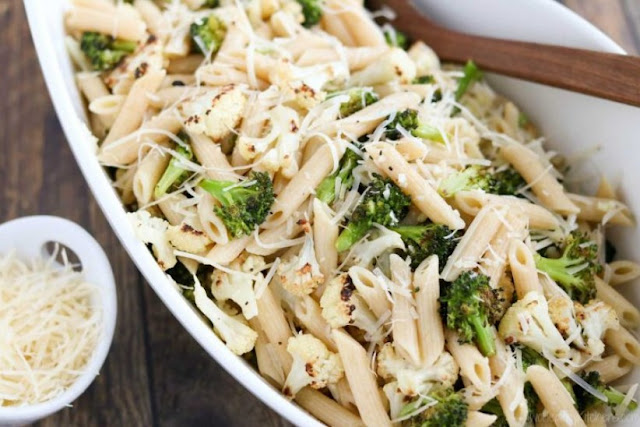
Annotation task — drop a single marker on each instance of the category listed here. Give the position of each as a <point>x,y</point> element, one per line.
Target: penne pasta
<point>554,397</point>
<point>328,188</point>
<point>544,185</point>
<point>361,380</point>
<point>423,195</point>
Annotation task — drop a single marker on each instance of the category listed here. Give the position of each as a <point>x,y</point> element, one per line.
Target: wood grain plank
<point>609,16</point>
<point>39,176</point>
<point>632,15</point>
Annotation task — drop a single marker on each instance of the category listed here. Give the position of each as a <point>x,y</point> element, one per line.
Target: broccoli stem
<point>484,336</point>
<point>351,234</point>
<point>126,45</point>
<point>218,189</point>
<point>425,131</point>
<point>173,173</point>
<point>615,398</point>
<point>557,269</point>
<point>326,191</point>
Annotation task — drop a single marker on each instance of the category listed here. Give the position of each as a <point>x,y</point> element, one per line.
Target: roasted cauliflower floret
<point>239,287</point>
<point>528,322</point>
<point>562,315</point>
<point>395,65</point>
<point>313,365</point>
<point>186,238</point>
<point>414,380</point>
<point>153,231</point>
<point>342,305</point>
<point>283,156</point>
<point>301,275</point>
<point>596,318</point>
<point>238,336</point>
<point>216,112</point>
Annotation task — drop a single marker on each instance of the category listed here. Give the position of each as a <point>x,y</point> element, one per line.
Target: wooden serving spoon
<point>605,75</point>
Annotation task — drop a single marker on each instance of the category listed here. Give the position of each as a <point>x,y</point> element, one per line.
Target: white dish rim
<point>110,205</point>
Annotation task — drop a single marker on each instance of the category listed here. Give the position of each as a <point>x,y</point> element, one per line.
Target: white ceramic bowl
<point>28,237</point>
<point>571,121</point>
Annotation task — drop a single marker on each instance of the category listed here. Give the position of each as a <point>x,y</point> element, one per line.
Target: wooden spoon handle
<point>605,75</point>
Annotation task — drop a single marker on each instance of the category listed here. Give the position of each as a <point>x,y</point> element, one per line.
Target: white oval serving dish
<point>572,123</point>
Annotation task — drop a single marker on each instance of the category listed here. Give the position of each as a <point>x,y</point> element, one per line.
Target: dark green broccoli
<point>326,191</point>
<point>175,174</point>
<point>531,357</point>
<point>208,34</point>
<point>576,269</point>
<point>103,51</point>
<point>359,98</point>
<point>506,182</point>
<point>211,3</point>
<point>383,203</point>
<point>586,400</point>
<point>396,38</point>
<point>409,120</point>
<point>242,207</point>
<point>424,80</point>
<point>312,11</point>
<point>471,306</point>
<point>493,407</point>
<point>424,240</point>
<point>183,277</point>
<point>450,410</point>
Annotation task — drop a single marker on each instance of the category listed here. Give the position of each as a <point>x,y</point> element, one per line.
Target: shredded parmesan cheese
<point>49,329</point>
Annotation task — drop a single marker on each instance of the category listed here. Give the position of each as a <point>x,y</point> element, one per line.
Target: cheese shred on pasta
<point>49,329</point>
<point>335,200</point>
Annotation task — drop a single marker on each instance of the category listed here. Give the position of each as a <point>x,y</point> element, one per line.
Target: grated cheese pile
<point>48,329</point>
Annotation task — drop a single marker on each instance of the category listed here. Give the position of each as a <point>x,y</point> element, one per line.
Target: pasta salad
<point>383,236</point>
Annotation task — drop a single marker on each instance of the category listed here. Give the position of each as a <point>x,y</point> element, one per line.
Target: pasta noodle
<point>376,230</point>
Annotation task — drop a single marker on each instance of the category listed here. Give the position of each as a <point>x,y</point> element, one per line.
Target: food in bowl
<point>387,235</point>
<point>49,328</point>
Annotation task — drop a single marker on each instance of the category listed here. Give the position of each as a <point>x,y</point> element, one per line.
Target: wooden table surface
<point>156,374</point>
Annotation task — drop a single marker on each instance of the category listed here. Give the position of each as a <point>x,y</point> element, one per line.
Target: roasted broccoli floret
<point>506,182</point>
<point>450,410</point>
<point>103,51</point>
<point>326,191</point>
<point>576,269</point>
<point>211,3</point>
<point>383,203</point>
<point>409,120</point>
<point>471,306</point>
<point>175,174</point>
<point>359,97</point>
<point>312,11</point>
<point>396,38</point>
<point>424,240</point>
<point>207,34</point>
<point>586,400</point>
<point>242,206</point>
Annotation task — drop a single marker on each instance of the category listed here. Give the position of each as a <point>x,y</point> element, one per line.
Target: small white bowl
<point>28,236</point>
<point>572,122</point>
